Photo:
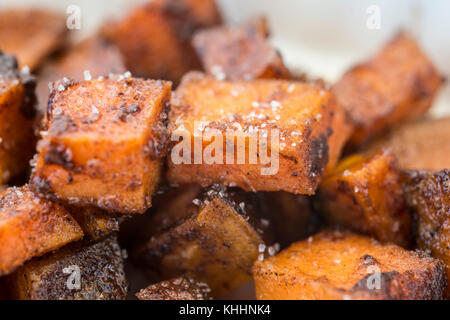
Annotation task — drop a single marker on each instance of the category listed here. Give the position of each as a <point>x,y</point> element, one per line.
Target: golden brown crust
<point>365,194</point>
<point>399,83</point>
<point>428,194</point>
<point>100,267</point>
<point>341,265</point>
<point>17,110</point>
<point>181,288</point>
<point>94,54</point>
<point>239,53</point>
<point>418,145</point>
<point>106,148</point>
<point>217,244</point>
<point>31,35</point>
<point>96,223</point>
<point>257,108</point>
<point>155,37</point>
<point>30,227</point>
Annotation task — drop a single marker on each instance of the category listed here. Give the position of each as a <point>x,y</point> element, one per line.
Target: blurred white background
<point>320,37</point>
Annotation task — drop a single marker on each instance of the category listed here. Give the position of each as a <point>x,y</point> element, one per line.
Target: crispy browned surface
<point>96,223</point>
<point>17,110</point>
<point>100,267</point>
<point>94,54</point>
<point>182,288</point>
<point>341,265</point>
<point>104,143</point>
<point>303,114</point>
<point>155,37</point>
<point>418,145</point>
<point>239,53</point>
<point>398,83</point>
<point>30,227</point>
<point>31,35</point>
<point>217,244</point>
<point>365,194</point>
<point>429,195</point>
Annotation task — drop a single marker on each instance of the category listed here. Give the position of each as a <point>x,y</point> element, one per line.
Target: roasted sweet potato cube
<point>104,143</point>
<point>335,265</point>
<point>95,55</point>
<point>182,288</point>
<point>30,227</point>
<point>398,83</point>
<point>428,194</point>
<point>96,223</point>
<point>276,134</point>
<point>418,145</point>
<point>217,244</point>
<point>79,271</point>
<point>365,194</point>
<point>17,110</point>
<point>155,37</point>
<point>239,53</point>
<point>31,35</point>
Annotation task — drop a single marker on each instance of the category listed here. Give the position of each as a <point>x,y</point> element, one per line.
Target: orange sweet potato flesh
<point>239,53</point>
<point>17,111</point>
<point>428,194</point>
<point>155,37</point>
<point>30,227</point>
<point>101,268</point>
<point>104,143</point>
<point>182,288</point>
<point>31,35</point>
<point>336,265</point>
<point>398,83</point>
<point>94,54</point>
<point>418,145</point>
<point>303,113</point>
<point>365,194</point>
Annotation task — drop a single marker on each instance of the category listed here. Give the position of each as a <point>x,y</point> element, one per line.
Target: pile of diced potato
<point>99,200</point>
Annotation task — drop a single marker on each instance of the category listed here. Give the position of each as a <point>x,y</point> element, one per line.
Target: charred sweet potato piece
<point>104,143</point>
<point>340,265</point>
<point>96,223</point>
<point>239,53</point>
<point>398,83</point>
<point>80,271</point>
<point>365,194</point>
<point>31,35</point>
<point>17,110</point>
<point>418,145</point>
<point>155,37</point>
<point>429,195</point>
<point>94,55</point>
<point>218,243</point>
<point>30,227</point>
<point>182,288</point>
<point>289,124</point>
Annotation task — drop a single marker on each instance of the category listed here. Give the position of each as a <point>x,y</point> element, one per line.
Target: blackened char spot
<point>318,155</point>
<point>59,155</point>
<point>28,106</point>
